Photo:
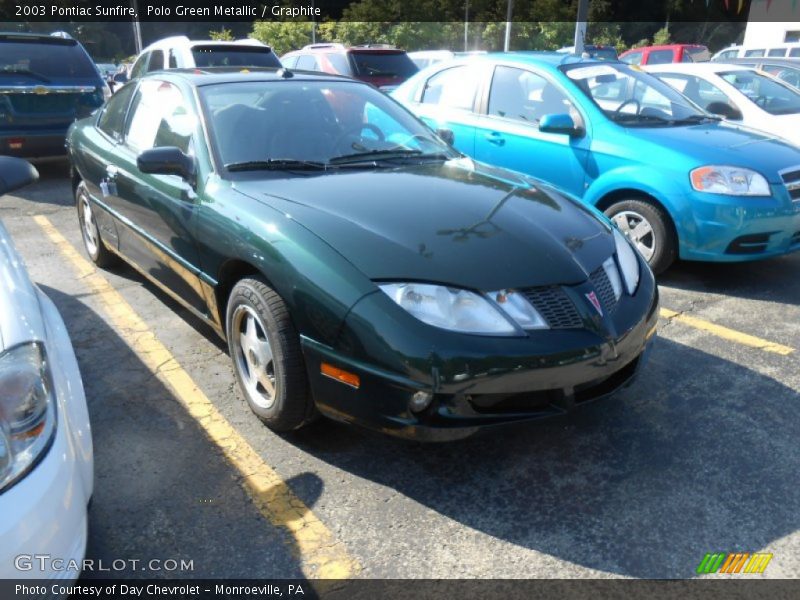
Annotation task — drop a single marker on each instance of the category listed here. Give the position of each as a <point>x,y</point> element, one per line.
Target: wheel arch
<point>614,196</point>
<point>230,273</point>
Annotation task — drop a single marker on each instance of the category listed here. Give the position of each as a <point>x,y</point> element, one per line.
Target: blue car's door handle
<point>495,138</point>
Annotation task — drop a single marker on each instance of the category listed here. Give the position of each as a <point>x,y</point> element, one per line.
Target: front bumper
<point>735,229</point>
<point>492,383</point>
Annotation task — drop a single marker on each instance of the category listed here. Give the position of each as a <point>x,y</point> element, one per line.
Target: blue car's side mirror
<point>559,123</point>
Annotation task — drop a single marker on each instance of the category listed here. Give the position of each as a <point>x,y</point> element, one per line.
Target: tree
<point>223,35</point>
<point>282,36</point>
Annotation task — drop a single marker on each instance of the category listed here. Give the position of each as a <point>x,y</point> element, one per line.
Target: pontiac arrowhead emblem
<point>592,297</point>
<point>40,90</point>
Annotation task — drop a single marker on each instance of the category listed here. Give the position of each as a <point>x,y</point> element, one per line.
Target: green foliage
<point>223,35</point>
<point>283,36</point>
<point>661,37</point>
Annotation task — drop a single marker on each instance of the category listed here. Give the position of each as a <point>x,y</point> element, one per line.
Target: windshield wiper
<point>388,154</point>
<point>274,164</point>
<point>696,119</point>
<point>23,71</point>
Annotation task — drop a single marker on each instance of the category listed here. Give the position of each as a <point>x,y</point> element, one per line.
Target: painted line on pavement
<point>726,333</point>
<point>321,555</point>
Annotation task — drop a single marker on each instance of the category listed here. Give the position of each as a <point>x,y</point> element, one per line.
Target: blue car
<point>678,181</point>
<point>46,83</point>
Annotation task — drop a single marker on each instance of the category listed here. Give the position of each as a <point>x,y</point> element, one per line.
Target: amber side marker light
<point>350,379</point>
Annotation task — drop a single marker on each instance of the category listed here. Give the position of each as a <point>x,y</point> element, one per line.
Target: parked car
<point>46,82</point>
<point>179,52</point>
<point>46,460</point>
<point>675,179</point>
<point>597,51</point>
<point>742,94</point>
<point>789,49</point>
<point>668,53</point>
<point>356,264</point>
<point>383,66</point>
<point>785,69</point>
<point>426,58</point>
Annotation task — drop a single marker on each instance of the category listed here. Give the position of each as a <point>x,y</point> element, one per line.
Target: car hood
<point>459,223</point>
<point>726,144</point>
<point>20,318</point>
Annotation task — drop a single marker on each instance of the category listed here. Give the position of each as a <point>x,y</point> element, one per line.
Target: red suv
<point>383,66</point>
<point>670,53</point>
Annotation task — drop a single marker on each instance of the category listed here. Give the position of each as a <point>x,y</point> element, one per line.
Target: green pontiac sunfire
<point>356,264</point>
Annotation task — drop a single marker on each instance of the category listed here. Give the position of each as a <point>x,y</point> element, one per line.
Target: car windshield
<point>45,59</point>
<point>311,124</point>
<point>631,97</point>
<point>234,56</point>
<point>382,64</point>
<point>774,97</point>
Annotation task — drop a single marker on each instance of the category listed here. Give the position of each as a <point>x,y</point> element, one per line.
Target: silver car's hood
<point>20,314</point>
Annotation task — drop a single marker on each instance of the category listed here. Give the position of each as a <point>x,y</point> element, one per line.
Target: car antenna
<point>284,73</point>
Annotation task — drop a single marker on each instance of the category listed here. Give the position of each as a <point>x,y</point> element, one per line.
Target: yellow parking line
<point>322,556</point>
<point>726,333</point>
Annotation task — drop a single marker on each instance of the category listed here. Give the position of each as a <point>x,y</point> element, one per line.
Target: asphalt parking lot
<point>699,455</point>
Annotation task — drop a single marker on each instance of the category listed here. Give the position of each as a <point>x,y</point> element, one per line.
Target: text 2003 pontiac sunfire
<point>357,265</point>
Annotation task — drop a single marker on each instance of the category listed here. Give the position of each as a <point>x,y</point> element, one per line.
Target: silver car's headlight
<point>628,262</point>
<point>27,410</point>
<point>458,310</point>
<point>731,181</point>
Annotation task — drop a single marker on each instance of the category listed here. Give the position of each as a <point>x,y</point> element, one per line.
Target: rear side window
<point>756,53</point>
<point>776,52</point>
<point>660,57</point>
<point>794,52</point>
<point>43,59</point>
<point>173,59</point>
<point>156,61</point>
<point>112,118</point>
<point>454,88</point>
<point>727,54</point>
<point>338,62</point>
<point>160,117</point>
<point>381,64</point>
<point>307,62</point>
<point>233,55</point>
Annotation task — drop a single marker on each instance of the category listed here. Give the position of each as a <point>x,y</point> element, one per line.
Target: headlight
<point>449,308</point>
<point>732,181</point>
<point>628,261</point>
<point>27,410</point>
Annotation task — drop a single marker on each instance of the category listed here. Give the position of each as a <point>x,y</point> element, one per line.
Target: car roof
<point>182,40</point>
<point>783,61</point>
<point>41,37</point>
<point>199,77</point>
<point>536,58</point>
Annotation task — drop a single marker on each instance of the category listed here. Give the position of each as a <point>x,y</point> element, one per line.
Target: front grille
<point>604,289</point>
<point>553,303</point>
<point>791,179</point>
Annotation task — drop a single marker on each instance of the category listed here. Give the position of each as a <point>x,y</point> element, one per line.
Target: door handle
<point>495,138</point>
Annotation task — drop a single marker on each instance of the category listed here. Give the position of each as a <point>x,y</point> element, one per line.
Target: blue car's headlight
<point>464,311</point>
<point>732,181</point>
<point>628,262</point>
<point>27,410</point>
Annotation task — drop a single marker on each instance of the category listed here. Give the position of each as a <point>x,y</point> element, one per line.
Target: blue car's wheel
<point>650,230</point>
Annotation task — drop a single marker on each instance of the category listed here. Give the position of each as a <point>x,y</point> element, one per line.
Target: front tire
<point>265,348</point>
<point>92,240</point>
<point>650,230</point>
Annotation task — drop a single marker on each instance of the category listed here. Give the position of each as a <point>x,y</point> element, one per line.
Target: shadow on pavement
<point>699,455</point>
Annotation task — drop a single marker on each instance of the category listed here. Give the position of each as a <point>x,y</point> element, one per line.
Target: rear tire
<point>92,240</point>
<point>650,230</point>
<point>267,359</point>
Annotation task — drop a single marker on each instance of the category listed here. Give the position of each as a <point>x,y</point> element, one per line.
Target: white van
<point>788,49</point>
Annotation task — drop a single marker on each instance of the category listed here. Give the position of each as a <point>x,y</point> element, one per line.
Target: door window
<point>112,119</point>
<point>307,62</point>
<point>156,61</point>
<point>453,88</point>
<point>634,58</point>
<point>524,96</point>
<point>660,57</point>
<point>160,117</point>
<point>776,52</point>
<point>138,67</point>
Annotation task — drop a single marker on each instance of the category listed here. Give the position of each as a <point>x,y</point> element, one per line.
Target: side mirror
<point>15,173</point>
<point>558,123</point>
<point>725,110</point>
<point>168,160</point>
<point>446,135</point>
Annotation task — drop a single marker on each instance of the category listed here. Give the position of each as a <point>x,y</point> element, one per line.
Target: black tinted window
<point>378,64</point>
<point>156,61</point>
<point>659,57</point>
<point>112,118</point>
<point>234,56</point>
<point>57,59</point>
